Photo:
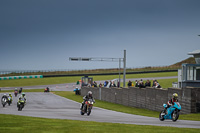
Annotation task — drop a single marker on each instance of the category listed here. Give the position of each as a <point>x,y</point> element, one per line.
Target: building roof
<point>194,52</point>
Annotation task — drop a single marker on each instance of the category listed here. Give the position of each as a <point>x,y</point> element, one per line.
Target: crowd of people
<point>105,84</point>
<point>141,84</point>
<point>138,83</point>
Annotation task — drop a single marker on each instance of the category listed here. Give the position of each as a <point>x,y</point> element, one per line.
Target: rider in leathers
<point>22,97</point>
<point>171,101</point>
<point>86,98</point>
<point>10,95</point>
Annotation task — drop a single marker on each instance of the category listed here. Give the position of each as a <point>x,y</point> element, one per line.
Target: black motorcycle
<point>20,104</point>
<point>20,90</point>
<point>87,108</point>
<point>4,101</point>
<point>9,100</point>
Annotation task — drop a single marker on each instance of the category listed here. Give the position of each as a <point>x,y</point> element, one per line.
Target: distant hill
<point>189,60</point>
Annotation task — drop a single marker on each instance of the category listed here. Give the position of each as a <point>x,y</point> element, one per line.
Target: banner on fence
<point>21,77</point>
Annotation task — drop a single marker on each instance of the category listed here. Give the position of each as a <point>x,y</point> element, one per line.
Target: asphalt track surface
<point>48,105</point>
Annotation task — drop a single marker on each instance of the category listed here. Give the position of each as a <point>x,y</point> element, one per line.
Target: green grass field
<point>24,124</point>
<point>60,80</point>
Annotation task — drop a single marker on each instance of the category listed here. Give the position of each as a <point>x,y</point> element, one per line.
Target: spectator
<point>100,85</point>
<point>148,84</point>
<point>110,84</point>
<point>141,84</point>
<point>129,83</point>
<point>105,83</point>
<point>95,84</point>
<point>154,83</point>
<point>118,84</point>
<point>113,84</point>
<point>84,84</point>
<point>77,91</point>
<point>136,83</point>
<point>157,85</point>
<point>89,85</point>
<point>132,84</point>
<point>77,83</point>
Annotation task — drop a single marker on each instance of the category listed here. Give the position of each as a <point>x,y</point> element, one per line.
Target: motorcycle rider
<point>22,97</point>
<point>5,96</point>
<point>171,101</point>
<point>15,92</point>
<point>20,90</point>
<point>10,95</point>
<point>86,98</point>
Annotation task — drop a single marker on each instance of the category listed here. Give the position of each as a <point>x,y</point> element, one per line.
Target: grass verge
<point>25,124</point>
<point>126,109</point>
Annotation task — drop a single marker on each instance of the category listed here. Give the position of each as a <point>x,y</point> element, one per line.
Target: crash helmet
<point>23,94</point>
<point>89,93</point>
<point>9,94</point>
<point>15,88</point>
<point>175,96</point>
<point>4,94</point>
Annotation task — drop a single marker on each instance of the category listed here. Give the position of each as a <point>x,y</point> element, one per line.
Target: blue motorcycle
<point>172,112</point>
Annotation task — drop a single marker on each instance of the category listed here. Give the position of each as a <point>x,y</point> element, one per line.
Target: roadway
<point>48,105</point>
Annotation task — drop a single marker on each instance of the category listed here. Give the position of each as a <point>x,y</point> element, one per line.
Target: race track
<point>48,105</point>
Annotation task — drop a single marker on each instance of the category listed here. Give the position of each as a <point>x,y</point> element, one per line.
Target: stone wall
<point>148,98</point>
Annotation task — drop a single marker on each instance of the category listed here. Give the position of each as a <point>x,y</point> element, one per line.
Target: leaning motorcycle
<point>21,104</point>
<point>87,108</point>
<point>172,112</point>
<point>4,101</point>
<point>9,100</point>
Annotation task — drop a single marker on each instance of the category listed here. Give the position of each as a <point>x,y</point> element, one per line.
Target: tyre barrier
<point>21,77</point>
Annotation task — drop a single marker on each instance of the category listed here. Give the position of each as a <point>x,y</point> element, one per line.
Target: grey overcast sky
<point>43,34</point>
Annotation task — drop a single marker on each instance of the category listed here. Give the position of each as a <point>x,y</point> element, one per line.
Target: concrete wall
<point>148,98</point>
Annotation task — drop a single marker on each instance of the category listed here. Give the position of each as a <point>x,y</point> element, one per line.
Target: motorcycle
<point>172,112</point>
<point>21,104</point>
<point>9,100</point>
<point>20,90</point>
<point>87,108</point>
<point>4,101</point>
<point>16,92</point>
<point>46,89</point>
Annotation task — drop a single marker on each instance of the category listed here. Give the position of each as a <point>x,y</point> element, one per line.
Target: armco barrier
<point>21,77</point>
<point>148,98</point>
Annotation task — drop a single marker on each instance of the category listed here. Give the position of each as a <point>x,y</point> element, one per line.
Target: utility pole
<point>119,71</point>
<point>124,77</point>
